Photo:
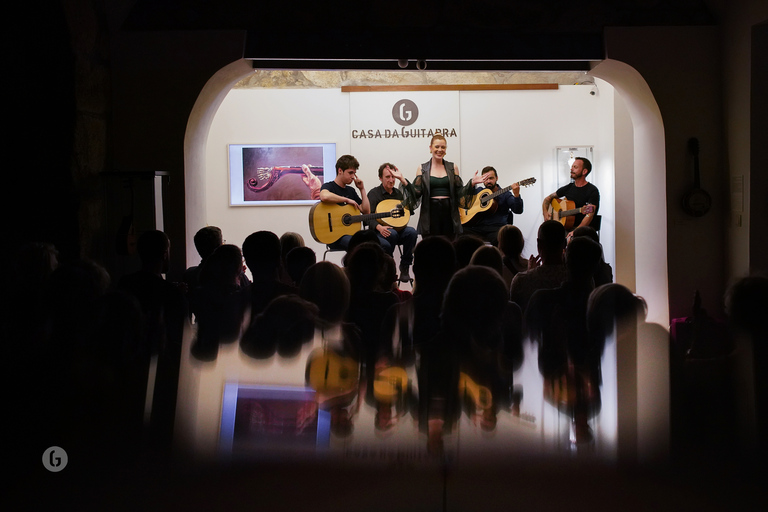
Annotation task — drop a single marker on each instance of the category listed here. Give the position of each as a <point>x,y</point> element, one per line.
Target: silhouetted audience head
<point>207,239</point>
<point>613,307</point>
<point>326,285</point>
<point>476,294</point>
<point>283,327</point>
<point>364,266</point>
<point>222,268</point>
<point>582,258</point>
<point>153,248</point>
<point>587,231</point>
<point>261,251</point>
<point>297,261</point>
<point>465,246</point>
<point>359,238</point>
<point>746,301</point>
<point>511,241</point>
<point>35,263</point>
<point>551,240</point>
<point>488,256</point>
<point>389,273</point>
<point>290,240</point>
<point>434,262</point>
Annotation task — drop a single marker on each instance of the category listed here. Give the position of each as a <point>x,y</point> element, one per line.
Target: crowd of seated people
<point>449,347</point>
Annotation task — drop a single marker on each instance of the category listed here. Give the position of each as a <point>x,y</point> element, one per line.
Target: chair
<point>595,224</point>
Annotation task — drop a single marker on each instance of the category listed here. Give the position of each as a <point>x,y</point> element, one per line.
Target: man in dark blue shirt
<point>486,224</point>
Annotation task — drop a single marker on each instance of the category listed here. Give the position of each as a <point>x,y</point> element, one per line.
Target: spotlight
<point>593,90</point>
<point>403,63</point>
<point>421,65</point>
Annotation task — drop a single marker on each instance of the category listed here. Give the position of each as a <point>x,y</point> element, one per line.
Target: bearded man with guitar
<point>582,199</point>
<point>338,192</point>
<point>392,231</point>
<point>486,225</point>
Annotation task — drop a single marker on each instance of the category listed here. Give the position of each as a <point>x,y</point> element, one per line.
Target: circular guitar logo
<point>405,112</point>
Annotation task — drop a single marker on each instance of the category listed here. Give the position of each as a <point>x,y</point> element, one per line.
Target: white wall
<point>515,131</point>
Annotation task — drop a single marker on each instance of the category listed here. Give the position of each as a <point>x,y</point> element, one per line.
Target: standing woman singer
<point>438,188</point>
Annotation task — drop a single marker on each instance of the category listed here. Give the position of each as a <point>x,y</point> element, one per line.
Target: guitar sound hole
<point>345,219</point>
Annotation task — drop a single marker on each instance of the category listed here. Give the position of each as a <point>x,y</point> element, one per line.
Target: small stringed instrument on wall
<point>563,211</point>
<point>329,222</point>
<point>484,200</point>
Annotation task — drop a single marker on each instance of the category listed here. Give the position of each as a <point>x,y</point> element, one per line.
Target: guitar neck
<point>365,217</point>
<point>523,183</point>
<point>568,213</point>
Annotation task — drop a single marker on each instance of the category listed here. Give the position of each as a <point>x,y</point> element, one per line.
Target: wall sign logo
<point>405,112</point>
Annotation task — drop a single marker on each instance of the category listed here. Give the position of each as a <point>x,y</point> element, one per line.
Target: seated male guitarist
<point>389,236</point>
<point>486,224</point>
<point>338,192</point>
<point>580,192</point>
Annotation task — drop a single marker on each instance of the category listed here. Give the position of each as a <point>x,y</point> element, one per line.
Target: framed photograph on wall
<point>276,174</point>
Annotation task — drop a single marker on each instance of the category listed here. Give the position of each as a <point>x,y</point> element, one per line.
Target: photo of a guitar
<point>329,222</point>
<point>563,211</point>
<point>267,176</point>
<point>484,200</point>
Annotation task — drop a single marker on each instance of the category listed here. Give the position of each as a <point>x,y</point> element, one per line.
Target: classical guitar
<point>480,396</point>
<point>331,373</point>
<point>484,200</point>
<point>563,211</point>
<point>329,222</point>
<point>390,384</point>
<point>389,205</point>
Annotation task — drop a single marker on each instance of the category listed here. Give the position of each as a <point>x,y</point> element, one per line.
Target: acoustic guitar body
<point>389,205</point>
<point>557,206</point>
<point>329,222</point>
<point>479,204</point>
<point>330,373</point>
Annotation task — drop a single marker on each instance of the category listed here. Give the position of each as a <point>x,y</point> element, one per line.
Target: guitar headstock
<point>398,211</point>
<point>527,183</point>
<point>587,209</point>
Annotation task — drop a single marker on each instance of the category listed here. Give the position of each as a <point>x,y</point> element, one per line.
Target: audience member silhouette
<point>207,240</point>
<point>569,358</point>
<point>617,315</point>
<point>545,270</point>
<point>465,246</point>
<point>485,327</point>
<point>220,304</point>
<point>604,274</point>
<point>511,244</point>
<point>368,304</point>
<point>261,251</point>
<point>361,237</point>
<point>487,256</point>
<point>165,314</point>
<point>285,325</point>
<point>288,241</point>
<point>297,261</point>
<point>23,316</point>
<point>746,301</point>
<point>334,369</point>
<point>390,281</point>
